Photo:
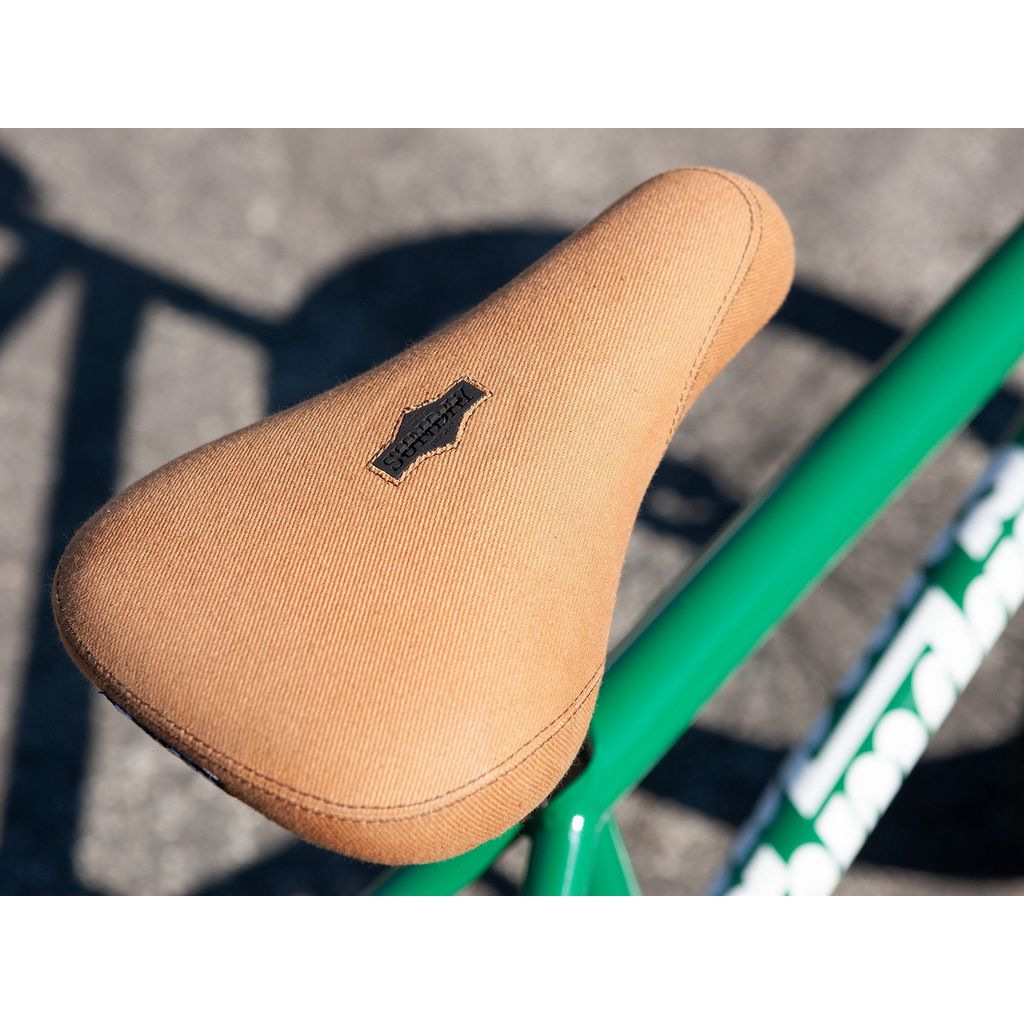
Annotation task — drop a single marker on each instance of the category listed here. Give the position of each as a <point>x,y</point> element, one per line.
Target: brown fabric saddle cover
<point>380,617</point>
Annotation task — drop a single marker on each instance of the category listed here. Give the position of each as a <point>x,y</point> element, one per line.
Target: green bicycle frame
<point>753,576</point>
<point>830,793</point>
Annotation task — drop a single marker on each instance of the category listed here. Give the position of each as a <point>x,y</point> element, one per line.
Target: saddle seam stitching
<point>580,701</point>
<point>727,300</point>
<point>234,764</point>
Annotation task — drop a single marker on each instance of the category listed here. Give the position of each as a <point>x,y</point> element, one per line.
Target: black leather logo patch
<point>428,429</point>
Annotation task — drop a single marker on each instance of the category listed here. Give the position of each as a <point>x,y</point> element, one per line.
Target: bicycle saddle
<point>380,617</point>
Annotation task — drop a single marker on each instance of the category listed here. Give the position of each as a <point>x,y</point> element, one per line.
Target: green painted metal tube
<point>563,855</point>
<point>446,877</point>
<point>613,873</point>
<point>758,571</point>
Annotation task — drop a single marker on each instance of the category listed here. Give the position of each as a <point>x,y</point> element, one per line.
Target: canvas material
<point>400,671</point>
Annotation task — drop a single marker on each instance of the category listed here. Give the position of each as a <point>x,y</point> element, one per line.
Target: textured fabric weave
<point>401,670</point>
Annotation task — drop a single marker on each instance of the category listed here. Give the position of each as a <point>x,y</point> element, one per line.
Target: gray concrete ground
<point>160,288</point>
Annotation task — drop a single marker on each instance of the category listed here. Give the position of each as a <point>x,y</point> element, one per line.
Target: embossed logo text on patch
<point>428,429</point>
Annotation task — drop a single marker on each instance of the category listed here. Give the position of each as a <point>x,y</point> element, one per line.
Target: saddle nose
<point>380,617</point>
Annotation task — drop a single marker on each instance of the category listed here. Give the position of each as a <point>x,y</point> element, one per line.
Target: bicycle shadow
<point>362,313</point>
<point>937,823</point>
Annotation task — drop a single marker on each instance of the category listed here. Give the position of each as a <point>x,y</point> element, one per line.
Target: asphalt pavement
<point>160,288</point>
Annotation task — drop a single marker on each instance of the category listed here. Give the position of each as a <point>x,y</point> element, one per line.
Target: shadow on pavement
<point>939,821</point>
